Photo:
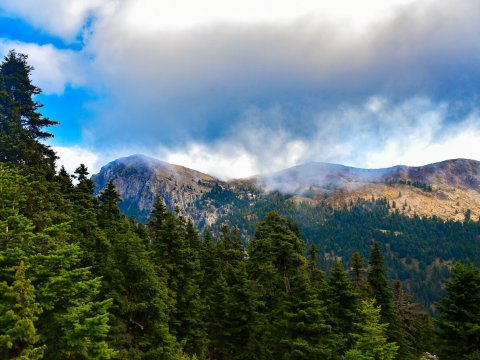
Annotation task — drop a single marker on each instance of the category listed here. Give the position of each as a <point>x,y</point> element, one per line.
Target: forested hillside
<point>419,250</point>
<point>79,280</point>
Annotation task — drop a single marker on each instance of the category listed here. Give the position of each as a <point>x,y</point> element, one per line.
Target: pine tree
<point>18,313</point>
<point>417,325</point>
<point>21,124</point>
<point>317,277</point>
<point>109,199</point>
<point>74,321</point>
<point>342,302</point>
<point>382,294</point>
<point>176,254</point>
<point>294,325</point>
<point>459,314</point>
<point>140,313</point>
<point>357,268</point>
<point>231,305</point>
<point>86,228</point>
<point>84,183</point>
<point>64,179</point>
<point>371,342</point>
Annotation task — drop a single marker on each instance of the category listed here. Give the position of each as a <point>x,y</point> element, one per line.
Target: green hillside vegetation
<point>79,280</point>
<point>418,251</point>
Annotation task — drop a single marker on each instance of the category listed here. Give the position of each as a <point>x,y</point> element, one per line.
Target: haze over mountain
<point>244,86</point>
<point>447,189</point>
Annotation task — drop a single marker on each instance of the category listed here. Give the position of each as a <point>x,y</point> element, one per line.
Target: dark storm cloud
<point>171,87</point>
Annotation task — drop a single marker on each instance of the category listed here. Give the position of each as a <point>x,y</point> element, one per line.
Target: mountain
<point>339,209</point>
<point>448,189</point>
<point>140,180</point>
<point>458,172</point>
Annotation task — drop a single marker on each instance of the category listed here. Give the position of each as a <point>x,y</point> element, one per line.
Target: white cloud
<point>64,18</point>
<point>412,133</point>
<point>182,73</point>
<point>422,146</point>
<point>67,18</point>
<point>182,83</point>
<point>54,68</point>
<point>415,132</point>
<point>180,14</point>
<point>72,157</point>
<point>236,164</point>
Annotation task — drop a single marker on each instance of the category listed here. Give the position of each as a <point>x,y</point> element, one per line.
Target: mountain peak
<point>446,188</point>
<point>137,159</point>
<point>140,179</point>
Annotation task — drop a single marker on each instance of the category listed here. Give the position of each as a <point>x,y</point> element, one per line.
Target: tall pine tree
<point>21,123</point>
<point>459,314</point>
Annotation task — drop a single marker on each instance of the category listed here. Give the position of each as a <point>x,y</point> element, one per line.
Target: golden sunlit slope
<point>447,189</point>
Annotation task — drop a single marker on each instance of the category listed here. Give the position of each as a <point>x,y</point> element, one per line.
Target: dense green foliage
<point>78,280</point>
<point>418,251</point>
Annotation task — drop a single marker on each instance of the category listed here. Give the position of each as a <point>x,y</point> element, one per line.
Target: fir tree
<point>18,313</point>
<point>459,319</point>
<point>294,325</point>
<point>93,239</point>
<point>317,277</point>
<point>231,318</point>
<point>171,243</point>
<point>417,326</point>
<point>64,179</point>
<point>382,294</point>
<point>371,342</point>
<point>74,321</point>
<point>21,123</point>
<point>109,199</point>
<point>140,313</point>
<point>342,302</point>
<point>357,268</point>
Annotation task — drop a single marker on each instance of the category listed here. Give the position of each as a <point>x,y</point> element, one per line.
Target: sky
<point>237,88</point>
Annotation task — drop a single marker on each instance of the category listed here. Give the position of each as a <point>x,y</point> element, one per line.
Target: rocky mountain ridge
<point>140,180</point>
<point>448,189</point>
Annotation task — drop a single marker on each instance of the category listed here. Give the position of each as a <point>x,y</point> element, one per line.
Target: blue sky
<point>237,88</point>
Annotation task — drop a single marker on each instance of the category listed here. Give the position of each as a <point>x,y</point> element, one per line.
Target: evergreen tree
<point>342,303</point>
<point>382,294</point>
<point>459,314</point>
<point>109,199</point>
<point>18,313</point>
<point>417,325</point>
<point>84,183</point>
<point>21,124</point>
<point>176,253</point>
<point>140,314</point>
<point>357,268</point>
<point>231,315</point>
<point>64,179</point>
<point>86,227</point>
<point>317,277</point>
<point>74,321</point>
<point>294,325</point>
<point>371,342</point>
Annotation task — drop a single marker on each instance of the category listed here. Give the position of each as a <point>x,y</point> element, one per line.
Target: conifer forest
<point>80,280</point>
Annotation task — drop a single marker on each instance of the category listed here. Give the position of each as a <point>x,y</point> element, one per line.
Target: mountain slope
<point>332,204</point>
<point>447,189</point>
<point>140,179</point>
<point>457,172</point>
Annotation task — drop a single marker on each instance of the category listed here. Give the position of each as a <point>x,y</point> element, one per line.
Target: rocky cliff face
<point>447,189</point>
<point>140,180</point>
